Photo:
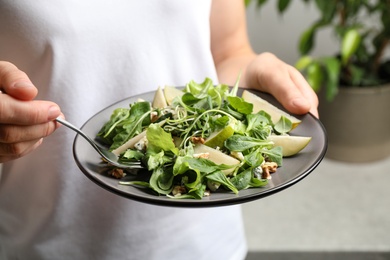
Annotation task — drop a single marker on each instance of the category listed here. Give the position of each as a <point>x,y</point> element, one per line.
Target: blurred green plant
<point>363,30</point>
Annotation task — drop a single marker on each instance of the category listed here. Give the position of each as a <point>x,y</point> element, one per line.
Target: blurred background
<point>341,210</point>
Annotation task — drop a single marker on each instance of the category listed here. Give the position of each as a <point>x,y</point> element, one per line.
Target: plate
<point>294,168</point>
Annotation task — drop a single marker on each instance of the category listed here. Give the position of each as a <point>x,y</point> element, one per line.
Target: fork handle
<point>76,129</point>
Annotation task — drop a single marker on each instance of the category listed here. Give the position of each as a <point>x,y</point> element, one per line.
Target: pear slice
<point>216,156</point>
<point>218,138</point>
<point>132,141</point>
<point>129,144</point>
<point>159,99</point>
<point>172,92</point>
<point>291,145</point>
<point>273,111</point>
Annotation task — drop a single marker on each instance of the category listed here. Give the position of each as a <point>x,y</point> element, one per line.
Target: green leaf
<point>159,140</point>
<point>156,184</point>
<point>198,88</point>
<point>234,90</point>
<point>332,68</point>
<point>314,76</point>
<point>240,105</point>
<point>257,183</point>
<point>241,181</point>
<point>275,154</point>
<point>131,155</point>
<point>283,5</point>
<point>255,158</point>
<point>221,178</point>
<point>349,45</point>
<point>240,143</point>
<point>283,126</point>
<point>303,62</point>
<point>258,126</point>
<point>306,41</point>
<point>117,116</point>
<point>327,8</point>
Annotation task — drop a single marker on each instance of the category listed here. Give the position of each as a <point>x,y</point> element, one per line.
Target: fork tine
<point>128,165</point>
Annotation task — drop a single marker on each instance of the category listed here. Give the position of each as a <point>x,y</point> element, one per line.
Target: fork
<point>104,152</point>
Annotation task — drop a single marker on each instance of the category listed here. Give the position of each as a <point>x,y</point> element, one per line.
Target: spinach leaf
<point>275,154</point>
<point>254,158</point>
<point>257,183</point>
<point>241,181</point>
<point>283,126</point>
<point>241,143</point>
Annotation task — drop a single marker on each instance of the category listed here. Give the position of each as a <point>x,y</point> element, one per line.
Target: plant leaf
<point>332,67</point>
<point>283,5</point>
<point>349,44</point>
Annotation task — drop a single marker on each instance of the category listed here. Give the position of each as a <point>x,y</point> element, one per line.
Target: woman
<point>71,59</point>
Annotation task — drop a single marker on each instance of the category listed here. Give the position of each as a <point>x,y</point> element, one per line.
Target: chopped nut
<point>201,155</point>
<point>178,190</point>
<point>117,173</point>
<point>268,168</point>
<point>197,140</point>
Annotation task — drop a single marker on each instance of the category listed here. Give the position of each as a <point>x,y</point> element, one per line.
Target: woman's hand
<point>269,74</point>
<point>233,54</point>
<point>23,121</point>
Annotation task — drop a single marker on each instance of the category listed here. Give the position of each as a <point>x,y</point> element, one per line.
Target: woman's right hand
<point>23,121</point>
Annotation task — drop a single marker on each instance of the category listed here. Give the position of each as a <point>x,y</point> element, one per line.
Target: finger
<point>16,112</point>
<point>15,82</point>
<point>11,134</point>
<point>306,90</point>
<point>25,149</point>
<point>283,88</point>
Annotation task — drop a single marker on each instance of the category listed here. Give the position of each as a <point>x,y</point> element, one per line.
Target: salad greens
<point>168,149</point>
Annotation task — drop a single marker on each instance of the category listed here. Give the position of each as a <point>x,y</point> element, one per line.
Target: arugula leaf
<point>131,126</point>
<point>131,155</point>
<point>108,128</point>
<point>258,126</point>
<point>240,105</point>
<point>159,140</point>
<point>221,178</point>
<point>160,182</point>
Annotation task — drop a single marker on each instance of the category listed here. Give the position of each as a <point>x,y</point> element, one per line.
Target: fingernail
<point>54,111</point>
<point>300,102</point>
<point>23,84</point>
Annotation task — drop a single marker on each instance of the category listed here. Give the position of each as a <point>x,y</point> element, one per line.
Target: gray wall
<point>279,34</point>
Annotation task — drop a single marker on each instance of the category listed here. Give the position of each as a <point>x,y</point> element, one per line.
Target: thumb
<point>15,82</point>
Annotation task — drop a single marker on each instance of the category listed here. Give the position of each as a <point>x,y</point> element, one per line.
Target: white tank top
<point>85,55</point>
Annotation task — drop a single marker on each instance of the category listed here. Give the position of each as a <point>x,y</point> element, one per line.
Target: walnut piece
<point>197,140</point>
<point>268,168</point>
<point>117,173</point>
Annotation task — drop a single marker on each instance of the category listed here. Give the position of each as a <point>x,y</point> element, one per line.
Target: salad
<point>202,139</point>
